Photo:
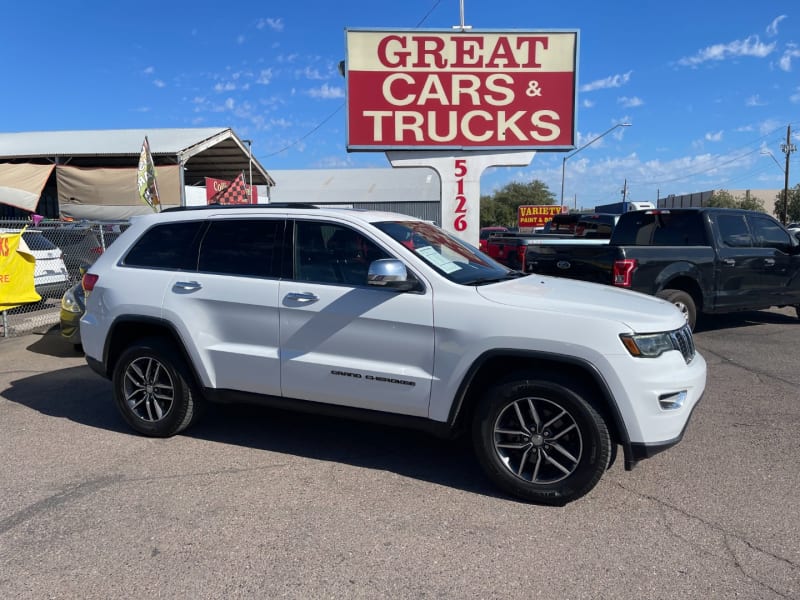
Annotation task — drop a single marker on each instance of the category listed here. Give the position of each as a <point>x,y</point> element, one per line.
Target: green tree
<point>724,199</point>
<point>793,208</point>
<point>751,203</point>
<point>496,213</point>
<point>500,208</point>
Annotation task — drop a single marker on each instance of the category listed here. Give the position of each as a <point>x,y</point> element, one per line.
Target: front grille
<point>683,341</point>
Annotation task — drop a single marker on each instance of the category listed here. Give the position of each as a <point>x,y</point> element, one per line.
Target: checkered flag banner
<point>237,192</point>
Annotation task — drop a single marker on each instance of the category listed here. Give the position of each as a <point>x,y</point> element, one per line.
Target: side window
<point>246,247</point>
<point>733,231</point>
<point>328,253</point>
<point>768,234</point>
<point>170,246</point>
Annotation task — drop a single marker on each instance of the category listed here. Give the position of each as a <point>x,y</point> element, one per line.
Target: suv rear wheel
<point>153,389</point>
<point>540,439</point>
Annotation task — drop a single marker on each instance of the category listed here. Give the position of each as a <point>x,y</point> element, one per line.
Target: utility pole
<point>625,196</point>
<point>787,149</point>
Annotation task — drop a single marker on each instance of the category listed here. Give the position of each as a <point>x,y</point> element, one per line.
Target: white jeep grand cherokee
<point>386,317</point>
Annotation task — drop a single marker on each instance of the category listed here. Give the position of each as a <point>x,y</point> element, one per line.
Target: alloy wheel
<point>149,391</point>
<point>538,440</point>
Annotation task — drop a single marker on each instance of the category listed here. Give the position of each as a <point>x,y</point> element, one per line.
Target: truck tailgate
<point>586,261</point>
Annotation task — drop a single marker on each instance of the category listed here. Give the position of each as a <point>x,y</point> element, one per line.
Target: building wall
<point>767,198</point>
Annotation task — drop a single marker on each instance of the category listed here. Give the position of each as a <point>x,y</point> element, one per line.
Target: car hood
<point>640,312</point>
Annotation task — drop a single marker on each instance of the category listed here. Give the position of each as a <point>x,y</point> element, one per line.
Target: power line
<point>300,139</point>
<point>715,165</point>
<point>341,106</point>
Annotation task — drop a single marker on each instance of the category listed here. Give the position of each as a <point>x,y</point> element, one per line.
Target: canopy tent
<point>192,154</point>
<point>111,193</point>
<point>22,184</point>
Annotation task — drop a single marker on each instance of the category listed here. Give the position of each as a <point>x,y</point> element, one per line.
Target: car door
<point>344,342</point>
<point>738,272</point>
<point>230,305</point>
<point>780,266</point>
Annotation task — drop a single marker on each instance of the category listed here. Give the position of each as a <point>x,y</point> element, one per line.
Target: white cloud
<point>714,137</point>
<point>587,103</point>
<point>326,91</point>
<point>159,84</point>
<point>230,103</point>
<point>795,98</point>
<point>149,70</point>
<point>271,23</point>
<point>264,77</point>
<point>755,100</point>
<point>227,86</point>
<point>769,126</point>
<point>240,39</point>
<point>785,62</point>
<point>750,46</point>
<point>630,102</point>
<point>310,73</point>
<point>772,28</point>
<point>614,81</point>
<point>334,162</point>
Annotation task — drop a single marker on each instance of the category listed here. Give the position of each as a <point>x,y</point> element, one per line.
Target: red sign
<point>460,90</point>
<point>536,215</point>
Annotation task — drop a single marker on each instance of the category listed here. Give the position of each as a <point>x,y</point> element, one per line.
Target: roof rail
<point>303,205</point>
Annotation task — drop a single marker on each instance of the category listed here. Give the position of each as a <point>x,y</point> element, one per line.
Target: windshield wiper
<point>505,277</point>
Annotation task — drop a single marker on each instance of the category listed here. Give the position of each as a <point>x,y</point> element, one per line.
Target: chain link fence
<point>60,249</point>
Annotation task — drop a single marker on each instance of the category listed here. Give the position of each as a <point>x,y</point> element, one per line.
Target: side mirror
<point>390,273</point>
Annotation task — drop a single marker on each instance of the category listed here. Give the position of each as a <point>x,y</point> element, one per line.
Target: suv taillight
<point>623,271</point>
<point>521,250</point>
<point>88,281</point>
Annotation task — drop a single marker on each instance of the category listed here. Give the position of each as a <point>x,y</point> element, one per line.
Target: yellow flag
<point>16,273</point>
<point>146,178</point>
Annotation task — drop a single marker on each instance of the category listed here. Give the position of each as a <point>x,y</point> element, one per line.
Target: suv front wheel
<point>540,439</point>
<point>153,389</point>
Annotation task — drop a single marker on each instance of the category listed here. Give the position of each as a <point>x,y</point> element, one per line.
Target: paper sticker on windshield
<point>437,260</point>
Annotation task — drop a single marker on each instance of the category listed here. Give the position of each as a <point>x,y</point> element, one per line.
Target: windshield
<point>453,258</point>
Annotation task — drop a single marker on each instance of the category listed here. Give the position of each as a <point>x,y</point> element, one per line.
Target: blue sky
<point>708,87</point>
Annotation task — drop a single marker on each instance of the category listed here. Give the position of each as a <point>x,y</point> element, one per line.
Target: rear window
<point>565,223</point>
<point>660,228</point>
<point>36,241</point>
<point>168,246</point>
<point>596,226</point>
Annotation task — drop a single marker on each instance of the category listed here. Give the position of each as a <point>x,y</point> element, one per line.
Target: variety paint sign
<point>530,216</point>
<point>426,89</point>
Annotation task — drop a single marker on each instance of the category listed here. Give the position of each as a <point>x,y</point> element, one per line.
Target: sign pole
<point>460,174</point>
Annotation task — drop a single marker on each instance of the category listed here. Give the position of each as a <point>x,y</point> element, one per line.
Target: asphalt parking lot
<point>260,503</point>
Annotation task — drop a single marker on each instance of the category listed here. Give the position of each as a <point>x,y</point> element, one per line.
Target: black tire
<point>154,390</point>
<point>540,440</point>
<point>684,302</point>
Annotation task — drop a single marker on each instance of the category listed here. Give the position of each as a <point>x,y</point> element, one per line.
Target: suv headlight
<point>648,345</point>
<point>652,345</point>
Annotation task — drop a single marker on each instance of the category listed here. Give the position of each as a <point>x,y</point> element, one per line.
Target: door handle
<point>729,262</point>
<point>302,297</point>
<point>770,262</point>
<point>186,286</point>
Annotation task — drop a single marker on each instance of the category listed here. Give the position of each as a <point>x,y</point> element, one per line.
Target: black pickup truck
<point>704,260</point>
